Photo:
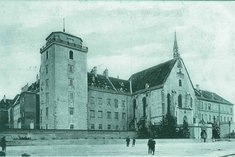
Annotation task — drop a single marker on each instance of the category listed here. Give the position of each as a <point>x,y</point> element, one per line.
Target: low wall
<point>92,142</point>
<point>66,134</point>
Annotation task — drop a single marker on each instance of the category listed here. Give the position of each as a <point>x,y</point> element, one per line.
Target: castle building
<point>72,98</point>
<point>23,113</point>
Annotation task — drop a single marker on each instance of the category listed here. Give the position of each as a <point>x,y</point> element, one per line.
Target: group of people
<point>128,140</point>
<point>151,144</point>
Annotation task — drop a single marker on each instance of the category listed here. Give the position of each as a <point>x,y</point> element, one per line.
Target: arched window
<point>180,101</point>
<point>134,107</point>
<point>70,54</point>
<point>191,102</point>
<point>168,102</point>
<point>144,106</point>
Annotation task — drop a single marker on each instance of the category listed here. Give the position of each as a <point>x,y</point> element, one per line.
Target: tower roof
<point>175,48</point>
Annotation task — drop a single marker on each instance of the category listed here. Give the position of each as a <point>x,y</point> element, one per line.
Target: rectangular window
<point>71,110</point>
<point>71,126</point>
<point>71,68</point>
<point>71,82</point>
<point>47,83</point>
<point>123,116</point>
<point>116,103</point>
<point>100,126</point>
<point>47,98</point>
<point>47,111</point>
<point>100,101</point>
<point>71,98</point>
<point>123,103</point>
<point>209,106</point>
<point>109,102</point>
<point>92,126</point>
<point>116,115</point>
<point>92,100</point>
<point>92,113</point>
<point>109,127</point>
<point>108,115</point>
<point>100,114</point>
<point>46,69</point>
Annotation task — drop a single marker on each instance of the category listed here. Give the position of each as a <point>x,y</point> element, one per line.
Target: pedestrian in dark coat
<point>3,143</point>
<point>133,142</point>
<point>153,146</point>
<point>149,146</point>
<point>127,141</point>
<point>204,135</point>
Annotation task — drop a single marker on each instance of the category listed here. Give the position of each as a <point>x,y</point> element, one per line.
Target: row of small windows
<point>109,114</point>
<point>70,68</point>
<point>108,102</point>
<point>215,107</point>
<point>109,127</point>
<point>70,55</point>
<point>210,118</point>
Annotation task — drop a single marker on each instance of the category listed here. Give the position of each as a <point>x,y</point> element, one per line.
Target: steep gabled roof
<point>210,96</point>
<point>110,83</point>
<point>154,76</point>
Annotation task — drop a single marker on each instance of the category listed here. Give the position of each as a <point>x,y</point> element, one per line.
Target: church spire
<point>175,49</point>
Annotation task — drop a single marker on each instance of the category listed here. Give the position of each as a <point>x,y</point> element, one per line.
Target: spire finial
<point>63,25</point>
<point>175,48</point>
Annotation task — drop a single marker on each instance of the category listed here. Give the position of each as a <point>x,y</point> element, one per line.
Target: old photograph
<point>119,78</point>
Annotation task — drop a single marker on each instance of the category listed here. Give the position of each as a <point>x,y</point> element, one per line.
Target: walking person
<point>3,143</point>
<point>204,135</point>
<point>149,146</point>
<point>127,141</point>
<point>133,142</point>
<point>153,143</point>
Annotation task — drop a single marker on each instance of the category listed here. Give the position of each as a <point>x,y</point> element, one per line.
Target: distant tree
<point>168,127</point>
<point>185,130</point>
<point>143,131</point>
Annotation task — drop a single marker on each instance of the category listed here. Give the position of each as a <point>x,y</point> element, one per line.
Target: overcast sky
<point>124,37</point>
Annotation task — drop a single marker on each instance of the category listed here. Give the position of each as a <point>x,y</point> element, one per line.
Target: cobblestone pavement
<point>213,149</point>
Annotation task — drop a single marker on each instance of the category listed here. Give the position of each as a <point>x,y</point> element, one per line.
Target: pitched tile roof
<point>110,83</point>
<point>210,96</point>
<point>154,76</point>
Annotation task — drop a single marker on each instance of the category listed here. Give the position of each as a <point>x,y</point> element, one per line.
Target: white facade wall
<point>55,99</point>
<point>172,87</point>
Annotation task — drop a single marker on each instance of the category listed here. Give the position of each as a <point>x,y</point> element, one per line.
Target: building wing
<point>210,96</point>
<point>108,83</point>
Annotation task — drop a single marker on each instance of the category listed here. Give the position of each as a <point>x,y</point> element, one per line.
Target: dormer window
<point>180,83</point>
<point>70,54</point>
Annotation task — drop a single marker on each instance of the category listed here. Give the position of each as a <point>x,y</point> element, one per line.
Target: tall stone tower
<point>63,82</point>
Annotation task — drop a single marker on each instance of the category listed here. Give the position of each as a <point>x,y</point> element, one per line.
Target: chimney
<point>4,98</point>
<point>197,87</point>
<point>106,73</point>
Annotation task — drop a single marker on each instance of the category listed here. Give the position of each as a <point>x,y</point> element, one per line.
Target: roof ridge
<point>152,67</point>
